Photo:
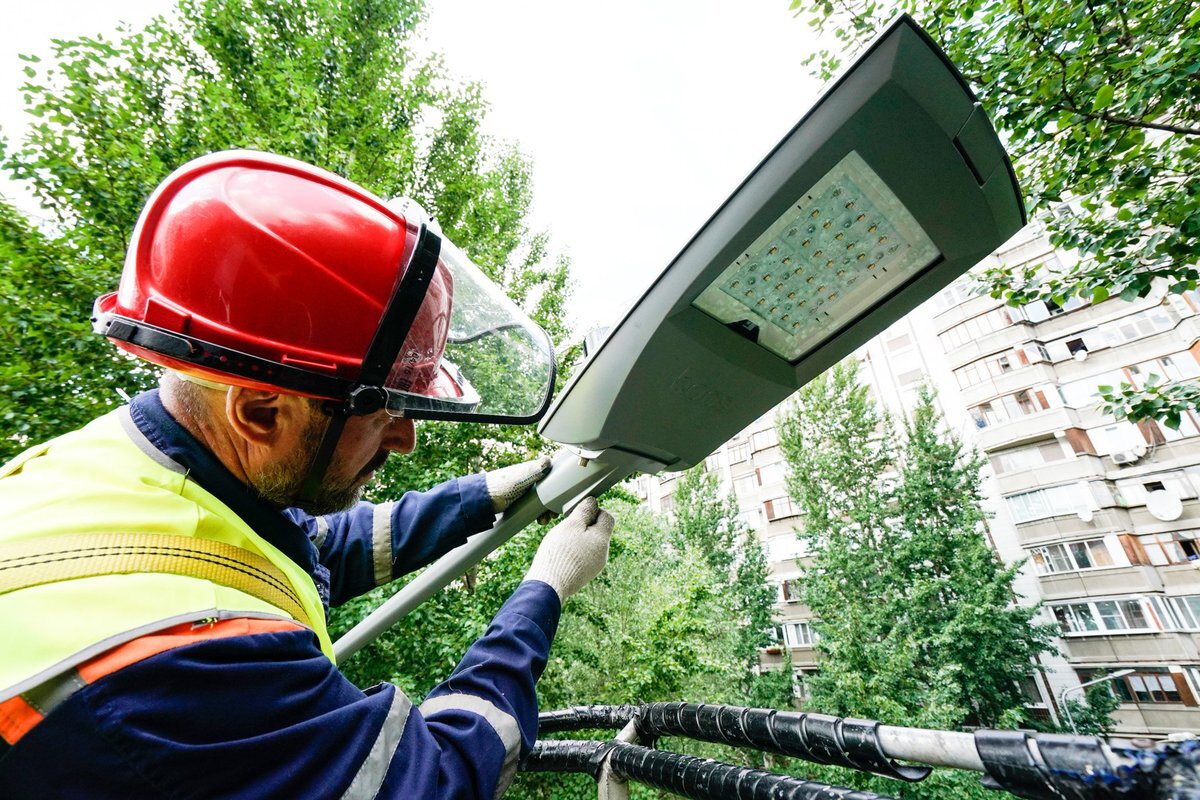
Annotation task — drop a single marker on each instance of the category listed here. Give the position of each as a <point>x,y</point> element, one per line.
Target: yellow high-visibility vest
<point>107,480</point>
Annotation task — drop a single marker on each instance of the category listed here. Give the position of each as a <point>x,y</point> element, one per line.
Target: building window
<point>910,377</point>
<point>801,678</point>
<point>1147,685</point>
<point>761,440</point>
<point>1029,457</point>
<point>955,293</point>
<point>1139,325</point>
<point>790,592</point>
<point>1173,547</point>
<point>796,634</point>
<point>1070,498</point>
<point>751,518</point>
<point>901,342</point>
<point>974,328</point>
<point>769,474</point>
<point>1133,491</point>
<point>780,508</point>
<point>1008,407</point>
<point>1103,616</point>
<point>1071,557</point>
<point>739,452</point>
<point>784,548</point>
<point>1085,393</point>
<point>747,484</point>
<point>1182,613</point>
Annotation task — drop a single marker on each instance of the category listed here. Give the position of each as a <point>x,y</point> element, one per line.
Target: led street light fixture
<point>889,188</point>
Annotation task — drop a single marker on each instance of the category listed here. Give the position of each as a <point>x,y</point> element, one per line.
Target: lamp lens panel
<point>843,246</point>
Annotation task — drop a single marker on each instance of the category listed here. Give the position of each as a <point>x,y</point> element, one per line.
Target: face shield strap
<point>320,463</point>
<point>367,395</point>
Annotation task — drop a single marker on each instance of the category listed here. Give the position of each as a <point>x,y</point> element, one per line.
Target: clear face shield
<point>471,354</point>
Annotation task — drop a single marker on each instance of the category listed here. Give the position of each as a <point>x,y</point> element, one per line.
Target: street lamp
<point>1067,707</point>
<point>890,187</point>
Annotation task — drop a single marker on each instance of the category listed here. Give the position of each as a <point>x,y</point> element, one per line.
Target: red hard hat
<point>262,271</point>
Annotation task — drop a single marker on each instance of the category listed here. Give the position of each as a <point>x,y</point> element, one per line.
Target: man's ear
<point>265,418</point>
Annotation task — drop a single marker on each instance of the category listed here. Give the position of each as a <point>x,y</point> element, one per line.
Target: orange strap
<point>18,715</point>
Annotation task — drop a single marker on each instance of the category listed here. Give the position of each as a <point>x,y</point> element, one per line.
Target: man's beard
<point>281,481</point>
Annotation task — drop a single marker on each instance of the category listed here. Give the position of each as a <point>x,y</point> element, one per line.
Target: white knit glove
<point>506,484</point>
<point>574,551</point>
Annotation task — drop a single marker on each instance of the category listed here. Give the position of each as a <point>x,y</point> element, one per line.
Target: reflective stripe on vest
<point>102,478</point>
<point>20,714</point>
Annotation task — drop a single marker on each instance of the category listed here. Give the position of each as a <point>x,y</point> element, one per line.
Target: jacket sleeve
<point>373,543</point>
<point>267,716</point>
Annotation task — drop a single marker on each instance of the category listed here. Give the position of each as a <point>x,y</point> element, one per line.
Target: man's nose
<point>400,436</point>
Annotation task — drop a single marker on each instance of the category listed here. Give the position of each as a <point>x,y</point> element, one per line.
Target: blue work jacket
<point>266,714</point>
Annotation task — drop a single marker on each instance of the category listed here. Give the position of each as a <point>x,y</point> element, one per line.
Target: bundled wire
<point>696,778</point>
<point>1038,767</point>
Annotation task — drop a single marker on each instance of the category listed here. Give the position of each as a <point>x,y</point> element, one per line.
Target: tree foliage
<point>1098,101</point>
<point>916,614</point>
<point>331,82</point>
<point>1093,714</point>
<point>1099,104</point>
<point>678,614</point>
<point>707,522</point>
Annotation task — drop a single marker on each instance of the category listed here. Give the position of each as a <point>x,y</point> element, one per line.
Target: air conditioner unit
<point>1124,457</point>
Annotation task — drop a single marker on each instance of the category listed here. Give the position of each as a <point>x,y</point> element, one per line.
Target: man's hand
<point>574,551</point>
<point>506,484</point>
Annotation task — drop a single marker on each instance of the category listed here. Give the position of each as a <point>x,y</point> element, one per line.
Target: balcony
<point>971,307</point>
<point>1010,382</point>
<point>994,342</point>
<point>1104,582</point>
<point>1029,428</point>
<point>1179,579</point>
<point>1107,359</point>
<point>1145,522</point>
<point>1144,649</point>
<point>1082,467</point>
<point>1075,321</point>
<point>1070,526</point>
<point>1157,719</point>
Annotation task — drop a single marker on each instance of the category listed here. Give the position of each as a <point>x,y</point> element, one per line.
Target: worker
<point>165,571</point>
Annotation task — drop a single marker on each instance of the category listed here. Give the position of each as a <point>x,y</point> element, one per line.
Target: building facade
<point>1104,514</point>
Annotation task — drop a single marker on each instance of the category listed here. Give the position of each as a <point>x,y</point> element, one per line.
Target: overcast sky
<point>640,117</point>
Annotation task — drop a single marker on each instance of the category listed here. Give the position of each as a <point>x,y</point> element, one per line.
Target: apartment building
<point>1104,514</point>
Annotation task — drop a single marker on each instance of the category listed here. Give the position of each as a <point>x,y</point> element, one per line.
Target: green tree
<point>916,614</point>
<point>332,82</point>
<point>1093,714</point>
<point>707,521</point>
<point>678,614</point>
<point>1099,103</point>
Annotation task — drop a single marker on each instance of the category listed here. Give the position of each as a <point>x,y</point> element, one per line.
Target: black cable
<point>583,717</point>
<point>821,739</point>
<point>695,778</point>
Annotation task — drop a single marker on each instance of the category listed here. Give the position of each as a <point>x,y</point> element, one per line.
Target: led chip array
<point>828,246</point>
<point>843,246</point>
